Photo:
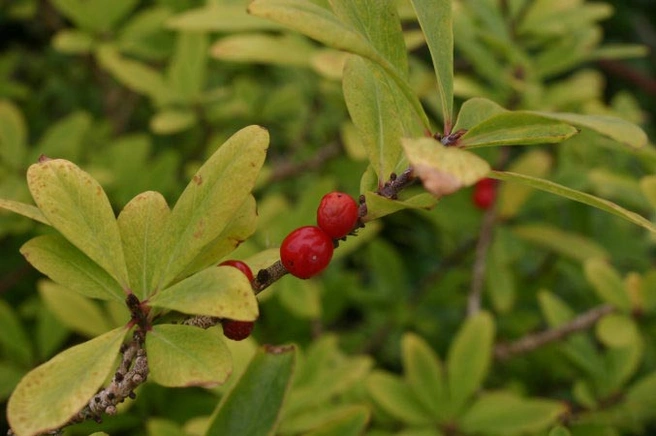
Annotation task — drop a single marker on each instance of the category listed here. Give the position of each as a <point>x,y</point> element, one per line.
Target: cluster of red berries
<point>485,193</point>
<point>233,329</point>
<point>307,251</point>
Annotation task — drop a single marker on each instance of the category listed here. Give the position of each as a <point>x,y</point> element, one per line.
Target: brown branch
<point>478,272</point>
<point>286,169</point>
<point>534,341</point>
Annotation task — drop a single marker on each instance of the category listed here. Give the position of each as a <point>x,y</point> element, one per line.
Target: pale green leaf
<point>77,206</point>
<point>301,298</point>
<point>311,419</point>
<point>181,355</point>
<point>211,200</point>
<point>443,170</point>
<point>612,127</point>
<point>27,210</point>
<point>500,280</point>
<point>64,139</point>
<point>141,223</point>
<point>14,341</point>
<point>423,372</point>
<point>187,69</point>
<point>65,264</point>
<point>647,185</point>
<point>378,206</point>
<point>53,392</point>
<point>607,283</point>
<point>350,421</point>
<point>502,413</point>
<point>512,196</point>
<point>171,121</point>
<point>253,405</point>
<point>13,135</point>
<point>469,358</point>
<point>516,128</point>
<point>73,310</point>
<point>572,194</point>
<point>397,398</point>
<point>559,430</point>
<point>476,110</point>
<point>435,18</point>
<point>222,291</point>
<point>95,15</point>
<point>73,41</point>
<point>573,245</point>
<point>225,18</point>
<point>163,427</point>
<point>617,330</point>
<point>264,48</point>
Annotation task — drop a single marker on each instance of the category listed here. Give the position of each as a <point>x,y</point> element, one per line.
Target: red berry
<point>237,330</point>
<point>485,193</point>
<point>337,214</point>
<point>241,266</point>
<point>306,251</point>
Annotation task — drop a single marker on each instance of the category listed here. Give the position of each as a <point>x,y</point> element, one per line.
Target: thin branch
<point>534,341</point>
<point>287,169</point>
<point>478,272</point>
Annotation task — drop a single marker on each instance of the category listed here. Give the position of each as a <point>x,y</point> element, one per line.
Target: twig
<point>286,169</point>
<point>478,272</point>
<point>534,341</point>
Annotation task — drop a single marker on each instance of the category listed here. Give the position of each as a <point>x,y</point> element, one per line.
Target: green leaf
<point>319,419</point>
<point>476,110</point>
<point>423,372</point>
<point>187,69</point>
<point>73,41</point>
<point>378,206</point>
<point>397,398</point>
<point>96,15</point>
<point>253,406</point>
<point>264,48</point>
<point>211,200</point>
<point>27,210</point>
<point>13,135</point>
<point>640,399</point>
<point>469,358</point>
<point>163,427</point>
<point>512,196</point>
<point>53,392</point>
<point>607,283</point>
<point>616,330</point>
<point>572,245</point>
<point>222,291</point>
<point>351,421</point>
<point>301,297</point>
<point>57,258</point>
<point>171,121</point>
<point>224,18</point>
<point>181,355</point>
<point>437,24</point>
<point>141,223</point>
<point>504,413</point>
<point>10,375</point>
<point>572,194</point>
<point>76,312</point>
<point>64,139</point>
<point>612,127</point>
<point>14,341</point>
<point>516,128</point>
<point>559,430</point>
<point>76,205</point>
<point>647,185</point>
<point>443,170</point>
<point>500,278</point>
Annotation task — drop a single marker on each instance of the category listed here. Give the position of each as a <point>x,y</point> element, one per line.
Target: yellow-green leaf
<point>52,393</point>
<point>512,196</point>
<point>27,210</point>
<point>423,371</point>
<point>181,355</point>
<point>607,283</point>
<point>13,135</point>
<point>264,48</point>
<point>171,121</point>
<point>378,206</point>
<point>573,245</point>
<point>225,18</point>
<point>617,330</point>
<point>222,291</point>
<point>397,398</point>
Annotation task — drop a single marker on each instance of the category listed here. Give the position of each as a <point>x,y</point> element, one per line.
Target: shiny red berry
<point>241,266</point>
<point>485,192</point>
<point>306,251</point>
<point>237,330</point>
<point>337,214</point>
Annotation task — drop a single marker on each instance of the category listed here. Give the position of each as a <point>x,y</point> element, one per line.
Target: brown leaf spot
<point>437,182</point>
<point>198,179</point>
<point>273,349</point>
<point>200,229</point>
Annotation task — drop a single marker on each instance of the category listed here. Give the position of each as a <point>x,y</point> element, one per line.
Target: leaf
<point>351,421</point>
<point>437,24</point>
<point>396,398</point>
<point>559,430</point>
<point>76,205</point>
<point>573,245</point>
<point>57,258</point>
<point>617,330</point>
<point>506,414</point>
<point>181,355</point>
<point>96,15</point>
<point>187,68</point>
<point>423,372</point>
<point>53,392</point>
<point>27,210</point>
<point>14,342</point>
<point>639,397</point>
<point>64,138</point>
<point>224,18</point>
<point>13,135</point>
<point>647,185</point>
<point>512,196</point>
<point>378,206</point>
<point>171,121</point>
<point>10,375</point>
<point>612,127</point>
<point>264,48</point>
<point>301,298</point>
<point>516,128</point>
<point>211,200</point>
<point>607,283</point>
<point>476,110</point>
<point>469,358</point>
<point>73,41</point>
<point>221,291</point>
<point>73,310</point>
<point>443,170</point>
<point>253,406</point>
<point>572,194</point>
<point>141,224</point>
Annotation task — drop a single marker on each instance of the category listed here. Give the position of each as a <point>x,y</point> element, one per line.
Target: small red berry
<point>337,214</point>
<point>241,266</point>
<point>237,330</point>
<point>485,192</point>
<point>306,251</point>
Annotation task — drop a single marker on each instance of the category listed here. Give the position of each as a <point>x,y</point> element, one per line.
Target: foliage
<point>542,306</point>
